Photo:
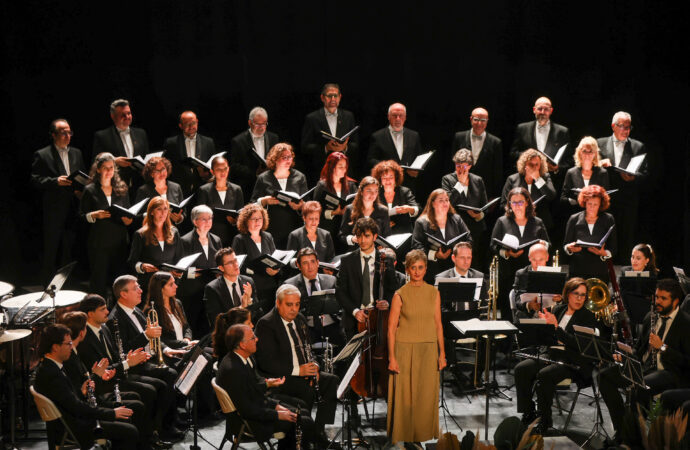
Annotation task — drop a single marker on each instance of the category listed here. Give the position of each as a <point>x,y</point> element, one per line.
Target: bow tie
<point>616,141</point>
<point>330,114</point>
<point>542,127</point>
<point>396,133</point>
<point>475,137</point>
<point>126,130</point>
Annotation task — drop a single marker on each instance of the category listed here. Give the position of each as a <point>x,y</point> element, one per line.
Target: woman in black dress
<point>587,171</point>
<point>155,243</point>
<point>400,201</point>
<point>440,220</point>
<point>336,185</point>
<point>590,225</point>
<point>254,241</point>
<point>108,239</point>
<point>310,235</point>
<point>156,173</point>
<point>520,222</point>
<point>465,188</point>
<point>638,293</point>
<point>281,176</point>
<point>199,240</point>
<point>365,204</point>
<point>221,193</point>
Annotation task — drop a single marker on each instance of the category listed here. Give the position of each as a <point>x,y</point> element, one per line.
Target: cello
<point>371,378</point>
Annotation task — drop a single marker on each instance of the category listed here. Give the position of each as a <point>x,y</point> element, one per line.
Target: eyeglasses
<point>204,219</point>
<point>232,262</point>
<point>331,95</point>
<point>623,127</point>
<point>518,203</point>
<point>479,119</point>
<point>256,219</point>
<point>578,294</point>
<point>69,344</point>
<point>286,157</point>
<point>253,338</point>
<point>64,133</point>
<point>159,170</point>
<point>587,152</point>
<point>260,125</point>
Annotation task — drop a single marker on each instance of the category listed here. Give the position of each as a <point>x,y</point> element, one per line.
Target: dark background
<point>220,58</point>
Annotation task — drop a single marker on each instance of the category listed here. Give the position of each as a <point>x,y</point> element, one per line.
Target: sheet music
<point>547,300</point>
<point>187,381</point>
<point>635,163</point>
<point>348,375</point>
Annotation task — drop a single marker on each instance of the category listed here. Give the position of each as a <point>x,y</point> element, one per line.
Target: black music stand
<point>186,383</point>
<point>489,328</point>
<point>599,350</point>
<point>638,294</point>
<point>544,282</point>
<point>317,305</point>
<point>535,333</point>
<point>351,352</point>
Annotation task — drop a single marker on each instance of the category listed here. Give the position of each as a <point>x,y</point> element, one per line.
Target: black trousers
<point>610,380</point>
<point>164,414</point>
<point>301,388</point>
<point>674,399</point>
<point>547,377</point>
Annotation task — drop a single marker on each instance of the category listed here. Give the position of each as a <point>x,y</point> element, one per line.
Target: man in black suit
<point>248,151</point>
<point>50,170</point>
<point>487,151</point>
<point>283,352</point>
<point>538,257</point>
<point>546,136</point>
<point>663,349</point>
<point>123,141</point>
<point>187,144</point>
<point>249,391</point>
<point>98,344</point>
<point>356,292</point>
<point>617,150</point>
<point>135,334</point>
<point>51,381</point>
<point>230,290</point>
<point>309,280</point>
<point>397,143</point>
<point>335,121</point>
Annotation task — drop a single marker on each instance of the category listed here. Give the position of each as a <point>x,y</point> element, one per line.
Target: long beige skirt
<point>413,393</point>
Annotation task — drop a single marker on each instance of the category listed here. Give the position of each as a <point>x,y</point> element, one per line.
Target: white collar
<point>59,364</point>
<point>126,309</point>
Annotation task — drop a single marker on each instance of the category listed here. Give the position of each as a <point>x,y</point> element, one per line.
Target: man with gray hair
<point>248,150</point>
<point>283,350</point>
<point>123,141</point>
<point>335,121</point>
<point>395,142</point>
<point>189,143</point>
<point>617,150</point>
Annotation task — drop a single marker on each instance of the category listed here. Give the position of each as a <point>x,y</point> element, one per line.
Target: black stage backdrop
<point>221,58</point>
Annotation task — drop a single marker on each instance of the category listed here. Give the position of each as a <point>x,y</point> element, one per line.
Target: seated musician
<point>103,381</point>
<point>237,374</point>
<point>538,257</point>
<point>223,322</point>
<point>136,333</point>
<point>355,292</point>
<point>529,371</point>
<point>283,351</point>
<point>663,349</point>
<point>100,343</point>
<point>51,381</point>
<point>308,281</point>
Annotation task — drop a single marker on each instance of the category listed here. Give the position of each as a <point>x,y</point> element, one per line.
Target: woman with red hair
<point>590,225</point>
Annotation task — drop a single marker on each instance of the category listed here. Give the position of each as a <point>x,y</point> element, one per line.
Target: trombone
<point>491,314</point>
<point>155,343</point>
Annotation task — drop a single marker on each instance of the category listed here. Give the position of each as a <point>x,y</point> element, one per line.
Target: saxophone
<point>118,342</point>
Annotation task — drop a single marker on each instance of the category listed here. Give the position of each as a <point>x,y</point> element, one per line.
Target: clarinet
<point>91,396</point>
<point>118,341</point>
<point>653,321</point>
<point>311,359</point>
<point>117,395</point>
<point>298,430</point>
<point>328,357</point>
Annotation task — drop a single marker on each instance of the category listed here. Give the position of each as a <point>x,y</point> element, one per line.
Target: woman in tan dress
<point>416,355</point>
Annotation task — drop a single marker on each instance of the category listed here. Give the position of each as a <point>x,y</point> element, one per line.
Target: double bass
<point>371,378</point>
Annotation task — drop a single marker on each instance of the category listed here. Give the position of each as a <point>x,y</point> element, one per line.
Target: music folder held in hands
<point>196,162</point>
<point>79,178</point>
<point>330,201</point>
<point>224,212</point>
<point>117,211</point>
<point>511,242</point>
<point>275,260</point>
<point>175,208</point>
<point>341,139</point>
<point>138,163</point>
<point>438,243</point>
<point>479,210</point>
<point>633,165</point>
<point>292,197</point>
<point>557,157</point>
<point>599,244</point>
<point>420,161</point>
<point>394,241</point>
<point>183,264</point>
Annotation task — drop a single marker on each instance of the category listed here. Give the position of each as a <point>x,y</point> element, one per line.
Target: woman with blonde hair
<point>587,171</point>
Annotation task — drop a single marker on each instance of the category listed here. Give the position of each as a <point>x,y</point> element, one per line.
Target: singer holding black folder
<point>365,204</point>
<point>400,201</point>
<point>520,222</point>
<point>587,171</point>
<point>156,183</point>
<point>591,226</point>
<point>108,239</point>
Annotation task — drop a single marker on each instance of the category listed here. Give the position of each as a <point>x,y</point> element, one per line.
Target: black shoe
<point>322,441</point>
<point>173,434</point>
<point>545,428</point>
<point>529,417</point>
<point>161,444</point>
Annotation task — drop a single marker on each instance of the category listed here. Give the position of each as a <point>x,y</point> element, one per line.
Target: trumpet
<point>155,343</point>
<point>91,396</point>
<point>118,342</point>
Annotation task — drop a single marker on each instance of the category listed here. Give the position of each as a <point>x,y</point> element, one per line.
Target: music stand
<point>315,306</point>
<point>56,284</point>
<point>632,369</point>
<point>544,282</point>
<point>186,382</point>
<point>637,290</point>
<point>489,328</point>
<point>535,333</point>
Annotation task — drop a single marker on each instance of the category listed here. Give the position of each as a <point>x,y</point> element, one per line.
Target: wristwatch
<point>663,348</point>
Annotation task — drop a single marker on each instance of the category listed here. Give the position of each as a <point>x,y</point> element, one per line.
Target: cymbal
<point>5,288</point>
<point>13,335</point>
<point>62,298</point>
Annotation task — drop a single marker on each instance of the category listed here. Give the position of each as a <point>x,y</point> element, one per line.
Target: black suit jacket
<point>324,249</point>
<point>273,351</point>
<point>143,252</point>
<point>105,233</point>
<point>547,190</point>
<point>243,245</point>
<point>314,145</point>
<point>132,338</point>
<point>382,148</point>
<point>584,318</point>
<point>489,165</point>
<point>91,350</point>
<point>476,196</point>
<point>380,215</point>
<point>584,263</point>
<point>348,287</point>
<point>402,223</point>
<point>573,180</point>
<point>245,164</point>
<point>218,298</point>
<point>471,273</point>
<point>234,199</point>
<point>79,415</point>
<point>534,229</point>
<point>108,140</point>
<point>148,190</point>
<point>525,138</point>
<point>325,282</point>
<point>248,393</point>
<point>185,174</point>
<point>283,219</point>
<point>676,358</point>
<point>628,190</point>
